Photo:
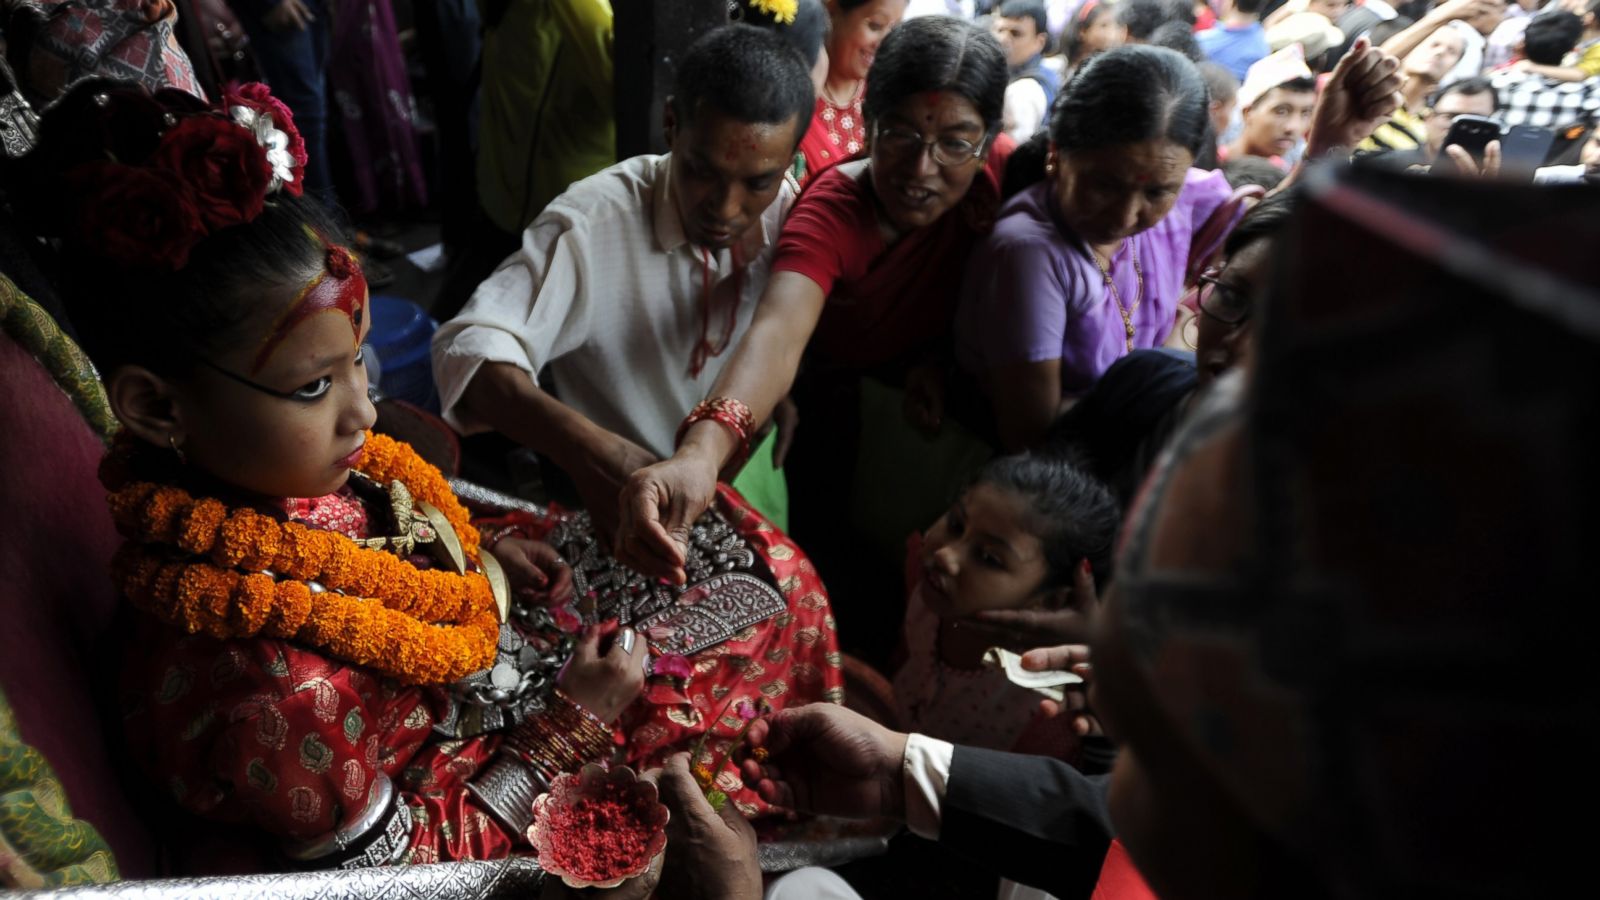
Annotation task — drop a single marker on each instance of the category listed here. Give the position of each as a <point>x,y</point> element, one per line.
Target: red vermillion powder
<point>599,838</point>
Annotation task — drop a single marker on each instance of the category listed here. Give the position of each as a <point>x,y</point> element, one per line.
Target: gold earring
<point>1049,168</point>
<point>172,441</point>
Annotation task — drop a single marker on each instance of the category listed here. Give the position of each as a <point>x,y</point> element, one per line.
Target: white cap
<point>1265,74</point>
<point>1310,30</point>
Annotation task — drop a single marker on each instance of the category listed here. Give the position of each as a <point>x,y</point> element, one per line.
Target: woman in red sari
<point>866,274</point>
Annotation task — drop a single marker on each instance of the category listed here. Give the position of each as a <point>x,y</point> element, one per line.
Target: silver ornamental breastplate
<point>727,590</point>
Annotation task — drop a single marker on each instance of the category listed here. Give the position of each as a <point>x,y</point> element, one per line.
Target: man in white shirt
<point>1022,29</point>
<point>631,286</point>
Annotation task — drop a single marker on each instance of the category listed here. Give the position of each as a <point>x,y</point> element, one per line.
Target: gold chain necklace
<point>1138,297</point>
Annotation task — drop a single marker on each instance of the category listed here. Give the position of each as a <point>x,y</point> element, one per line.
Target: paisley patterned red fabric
<point>265,733</point>
<point>790,660</point>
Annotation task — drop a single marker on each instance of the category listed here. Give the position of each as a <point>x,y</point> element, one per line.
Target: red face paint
<point>340,287</point>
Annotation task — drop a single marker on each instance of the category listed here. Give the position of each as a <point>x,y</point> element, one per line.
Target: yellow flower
<point>703,776</point>
<point>780,10</point>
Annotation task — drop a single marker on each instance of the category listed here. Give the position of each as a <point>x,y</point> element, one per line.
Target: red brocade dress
<point>264,733</point>
<point>836,134</point>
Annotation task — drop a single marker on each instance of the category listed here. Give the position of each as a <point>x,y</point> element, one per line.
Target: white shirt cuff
<point>927,772</point>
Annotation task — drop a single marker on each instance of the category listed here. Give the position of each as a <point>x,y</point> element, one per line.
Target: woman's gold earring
<point>1049,168</point>
<point>172,441</point>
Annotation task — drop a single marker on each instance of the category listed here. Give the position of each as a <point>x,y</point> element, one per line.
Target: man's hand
<point>1020,629</point>
<point>1467,167</point>
<point>823,758</point>
<point>1361,94</point>
<point>659,504</point>
<point>711,854</point>
<point>1072,658</point>
<point>289,15</point>
<point>600,479</point>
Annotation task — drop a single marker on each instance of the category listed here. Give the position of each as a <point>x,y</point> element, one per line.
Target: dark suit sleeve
<point>1032,819</point>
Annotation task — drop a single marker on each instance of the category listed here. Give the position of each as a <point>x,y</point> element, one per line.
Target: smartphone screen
<point>1524,148</point>
<point>1470,133</point>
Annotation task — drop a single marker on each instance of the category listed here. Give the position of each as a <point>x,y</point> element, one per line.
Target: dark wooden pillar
<point>650,36</point>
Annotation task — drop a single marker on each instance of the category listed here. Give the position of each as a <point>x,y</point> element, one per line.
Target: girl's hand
<point>534,566</point>
<point>605,683</point>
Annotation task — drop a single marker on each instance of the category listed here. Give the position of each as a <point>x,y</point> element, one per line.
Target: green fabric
<point>546,105</point>
<point>903,479</point>
<point>26,322</point>
<point>36,823</point>
<point>762,484</point>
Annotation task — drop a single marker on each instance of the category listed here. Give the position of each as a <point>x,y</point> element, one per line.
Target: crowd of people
<point>929,335</point>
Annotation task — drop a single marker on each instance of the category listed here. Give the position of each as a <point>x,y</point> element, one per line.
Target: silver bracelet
<point>376,837</point>
<point>507,789</point>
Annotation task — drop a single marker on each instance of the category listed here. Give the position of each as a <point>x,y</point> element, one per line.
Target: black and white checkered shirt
<point>1529,99</point>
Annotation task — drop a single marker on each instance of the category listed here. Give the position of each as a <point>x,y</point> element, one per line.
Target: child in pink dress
<point>1013,541</point>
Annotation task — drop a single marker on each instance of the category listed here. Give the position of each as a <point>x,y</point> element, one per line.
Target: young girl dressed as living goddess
<point>321,646</point>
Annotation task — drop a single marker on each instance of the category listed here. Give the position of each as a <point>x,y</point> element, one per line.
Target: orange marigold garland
<point>419,626</point>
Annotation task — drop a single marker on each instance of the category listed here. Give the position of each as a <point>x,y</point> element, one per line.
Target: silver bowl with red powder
<point>598,827</point>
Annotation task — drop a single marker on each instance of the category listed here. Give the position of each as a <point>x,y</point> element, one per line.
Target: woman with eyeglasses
<point>865,278</point>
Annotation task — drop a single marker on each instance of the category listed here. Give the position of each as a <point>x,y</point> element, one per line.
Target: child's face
<point>981,555</point>
<point>299,446</point>
<point>1104,33</point>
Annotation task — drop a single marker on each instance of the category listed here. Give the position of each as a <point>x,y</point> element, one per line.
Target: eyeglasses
<point>905,143</point>
<point>1222,302</point>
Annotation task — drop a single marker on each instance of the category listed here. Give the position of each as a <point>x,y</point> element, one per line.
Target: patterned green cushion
<point>41,845</point>
<point>31,327</point>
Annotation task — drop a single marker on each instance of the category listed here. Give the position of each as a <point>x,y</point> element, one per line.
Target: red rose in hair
<point>222,163</point>
<point>141,217</point>
<point>258,97</point>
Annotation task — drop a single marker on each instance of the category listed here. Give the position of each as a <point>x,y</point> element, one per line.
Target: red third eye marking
<point>339,287</point>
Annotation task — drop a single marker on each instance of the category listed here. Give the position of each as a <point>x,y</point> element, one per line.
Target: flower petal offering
<point>598,827</point>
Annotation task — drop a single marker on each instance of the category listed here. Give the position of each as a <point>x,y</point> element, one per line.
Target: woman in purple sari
<point>1088,264</point>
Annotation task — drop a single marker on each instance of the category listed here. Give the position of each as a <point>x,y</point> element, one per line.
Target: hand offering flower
<point>746,711</point>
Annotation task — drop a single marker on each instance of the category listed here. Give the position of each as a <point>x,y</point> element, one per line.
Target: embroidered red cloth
<point>791,659</point>
<point>836,134</point>
<point>268,734</point>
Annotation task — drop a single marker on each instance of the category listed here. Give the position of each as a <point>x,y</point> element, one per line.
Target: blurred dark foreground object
<point>1382,647</point>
